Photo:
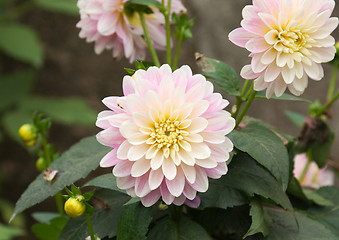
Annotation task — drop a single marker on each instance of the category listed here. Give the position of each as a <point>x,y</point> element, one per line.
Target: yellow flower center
<point>293,41</point>
<point>166,133</point>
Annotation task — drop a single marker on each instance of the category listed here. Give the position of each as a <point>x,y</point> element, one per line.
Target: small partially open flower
<point>74,207</point>
<point>314,176</point>
<point>288,41</point>
<point>108,24</point>
<point>28,134</point>
<point>168,134</point>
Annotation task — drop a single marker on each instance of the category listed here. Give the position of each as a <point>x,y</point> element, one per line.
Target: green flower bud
<point>41,164</point>
<point>28,134</point>
<point>74,208</point>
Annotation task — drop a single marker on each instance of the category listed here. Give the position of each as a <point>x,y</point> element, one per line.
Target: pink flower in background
<point>105,22</point>
<point>288,41</point>
<point>168,134</point>
<point>314,176</point>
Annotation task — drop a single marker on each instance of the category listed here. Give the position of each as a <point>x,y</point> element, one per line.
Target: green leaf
<point>183,229</point>
<point>62,110</point>
<point>284,227</point>
<point>62,6</point>
<point>222,196</point>
<point>316,198</point>
<point>247,175</point>
<point>104,219</point>
<point>296,118</point>
<point>15,86</point>
<point>51,231</point>
<point>328,216</point>
<point>74,164</point>
<point>295,189</point>
<point>265,147</point>
<point>107,181</point>
<point>8,233</point>
<point>285,97</point>
<point>259,225</point>
<point>22,43</point>
<point>223,75</point>
<point>134,221</point>
<point>44,217</point>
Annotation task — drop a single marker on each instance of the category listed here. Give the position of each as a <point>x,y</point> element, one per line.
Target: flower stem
<point>90,227</point>
<point>174,212</point>
<point>333,81</point>
<point>167,14</point>
<point>148,40</point>
<point>328,104</point>
<point>248,104</point>
<point>59,203</point>
<point>45,147</point>
<point>309,160</point>
<point>240,100</point>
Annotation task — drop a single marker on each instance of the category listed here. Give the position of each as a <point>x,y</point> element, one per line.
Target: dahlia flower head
<point>314,177</point>
<point>168,135</point>
<point>288,41</point>
<point>106,23</point>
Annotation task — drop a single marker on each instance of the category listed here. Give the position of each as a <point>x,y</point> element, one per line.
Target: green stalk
<point>240,100</point>
<point>148,40</point>
<point>168,33</point>
<point>248,104</point>
<point>59,203</point>
<point>328,105</point>
<point>333,81</point>
<point>45,147</point>
<point>90,227</point>
<point>174,212</point>
<point>309,160</point>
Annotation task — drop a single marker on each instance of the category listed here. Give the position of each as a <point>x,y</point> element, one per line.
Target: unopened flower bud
<point>74,208</point>
<point>28,134</point>
<point>41,164</point>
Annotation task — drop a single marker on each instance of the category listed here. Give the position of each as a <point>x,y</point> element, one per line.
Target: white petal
<point>155,178</point>
<point>140,167</point>
<point>288,74</point>
<point>206,163</point>
<point>186,158</point>
<point>123,150</point>
<point>189,172</point>
<point>123,169</point>
<point>201,181</point>
<point>213,137</point>
<point>169,169</point>
<point>137,151</point>
<point>200,150</point>
<point>157,160</point>
<point>176,186</point>
<point>272,72</point>
<point>151,198</point>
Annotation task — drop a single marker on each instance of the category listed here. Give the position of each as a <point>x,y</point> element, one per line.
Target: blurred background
<point>45,66</point>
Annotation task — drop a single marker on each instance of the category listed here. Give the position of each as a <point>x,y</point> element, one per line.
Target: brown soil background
<point>71,68</point>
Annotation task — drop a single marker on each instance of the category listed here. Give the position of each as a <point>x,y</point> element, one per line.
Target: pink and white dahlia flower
<point>314,177</point>
<point>106,23</point>
<point>168,134</point>
<point>288,41</point>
